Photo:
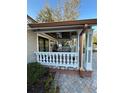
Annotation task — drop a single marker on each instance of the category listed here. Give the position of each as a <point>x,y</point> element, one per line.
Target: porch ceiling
<point>65,25</point>
<point>62,35</point>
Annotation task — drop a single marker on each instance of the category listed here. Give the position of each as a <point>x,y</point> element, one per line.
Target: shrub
<point>50,84</point>
<point>52,87</point>
<point>38,75</point>
<point>35,71</point>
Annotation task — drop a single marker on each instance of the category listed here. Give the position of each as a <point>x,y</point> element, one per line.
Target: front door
<point>43,44</point>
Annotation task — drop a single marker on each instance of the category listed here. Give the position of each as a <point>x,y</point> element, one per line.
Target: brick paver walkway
<point>76,84</point>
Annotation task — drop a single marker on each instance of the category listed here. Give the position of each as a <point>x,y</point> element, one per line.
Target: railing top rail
<point>57,52</point>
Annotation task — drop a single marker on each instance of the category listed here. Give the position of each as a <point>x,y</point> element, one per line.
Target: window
<point>43,44</point>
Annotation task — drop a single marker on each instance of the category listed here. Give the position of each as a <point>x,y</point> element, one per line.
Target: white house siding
<point>31,46</point>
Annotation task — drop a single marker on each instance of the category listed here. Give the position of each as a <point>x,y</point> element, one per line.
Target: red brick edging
<point>73,72</point>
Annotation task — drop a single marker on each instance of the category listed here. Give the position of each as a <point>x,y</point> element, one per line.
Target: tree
<point>45,15</point>
<point>71,9</point>
<point>65,10</point>
<point>95,39</point>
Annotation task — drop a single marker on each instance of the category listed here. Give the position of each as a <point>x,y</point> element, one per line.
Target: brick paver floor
<point>76,84</point>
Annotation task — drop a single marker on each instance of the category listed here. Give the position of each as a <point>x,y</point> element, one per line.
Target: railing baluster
<point>40,58</point>
<point>56,58</point>
<point>43,57</point>
<point>50,58</point>
<point>74,58</point>
<point>71,59</point>
<point>60,58</point>
<point>67,58</point>
<point>37,57</point>
<point>46,58</point>
<point>64,59</point>
<point>53,59</point>
<point>75,61</point>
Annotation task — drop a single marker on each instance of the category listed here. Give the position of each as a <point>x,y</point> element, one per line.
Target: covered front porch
<point>69,46</point>
<point>60,52</point>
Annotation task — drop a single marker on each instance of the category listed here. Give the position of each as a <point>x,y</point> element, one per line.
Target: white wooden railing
<point>58,59</point>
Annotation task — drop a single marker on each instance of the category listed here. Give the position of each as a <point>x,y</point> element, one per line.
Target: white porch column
<point>88,50</point>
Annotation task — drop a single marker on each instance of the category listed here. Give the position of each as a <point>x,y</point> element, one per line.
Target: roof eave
<point>65,23</point>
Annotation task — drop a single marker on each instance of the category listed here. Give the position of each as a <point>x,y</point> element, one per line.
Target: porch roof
<point>63,25</point>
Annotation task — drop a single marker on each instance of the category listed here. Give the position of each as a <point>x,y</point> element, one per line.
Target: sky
<point>88,8</point>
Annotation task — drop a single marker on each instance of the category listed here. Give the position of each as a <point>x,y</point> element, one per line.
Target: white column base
<point>88,67</point>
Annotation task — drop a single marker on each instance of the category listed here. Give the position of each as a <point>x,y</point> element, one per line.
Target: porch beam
<point>55,31</point>
<point>44,29</point>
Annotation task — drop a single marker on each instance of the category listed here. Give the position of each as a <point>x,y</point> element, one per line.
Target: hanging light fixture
<point>59,35</point>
